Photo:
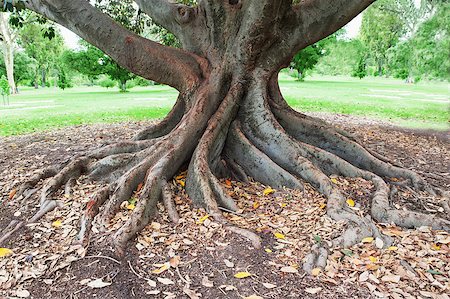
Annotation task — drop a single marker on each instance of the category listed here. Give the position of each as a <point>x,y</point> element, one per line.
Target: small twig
<point>101,256</point>
<point>181,277</point>
<point>230,211</point>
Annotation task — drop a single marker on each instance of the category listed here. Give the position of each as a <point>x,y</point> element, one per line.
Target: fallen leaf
<point>313,290</point>
<point>268,191</point>
<point>201,220</point>
<point>316,271</point>
<point>165,281</point>
<point>191,294</point>
<point>163,268</point>
<point>175,261</point>
<point>268,250</point>
<point>289,269</point>
<point>242,275</point>
<point>12,193</point>
<point>373,259</point>
<point>436,247</point>
<point>391,278</point>
<point>228,183</point>
<point>57,223</point>
<point>323,206</point>
<point>228,263</point>
<point>4,252</point>
<point>393,248</point>
<point>364,276</point>
<point>350,202</point>
<point>254,296</point>
<point>22,294</point>
<point>379,243</point>
<point>269,285</point>
<point>131,206</point>
<point>279,236</point>
<point>367,240</point>
<point>434,272</point>
<point>151,283</point>
<point>98,284</point>
<point>255,205</point>
<point>334,181</point>
<point>206,282</point>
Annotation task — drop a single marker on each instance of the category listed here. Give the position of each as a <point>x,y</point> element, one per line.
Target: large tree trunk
<point>230,120</point>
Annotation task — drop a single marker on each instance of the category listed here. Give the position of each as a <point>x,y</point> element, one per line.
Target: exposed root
<point>8,231</point>
<point>169,204</point>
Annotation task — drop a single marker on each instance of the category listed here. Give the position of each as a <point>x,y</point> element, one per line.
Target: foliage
<point>360,68</point>
<point>307,58</point>
<point>24,67</point>
<point>5,89</point>
<point>107,83</point>
<point>381,29</point>
<point>341,59</point>
<point>63,80</point>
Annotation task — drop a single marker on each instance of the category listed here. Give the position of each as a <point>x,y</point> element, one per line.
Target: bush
<point>107,83</point>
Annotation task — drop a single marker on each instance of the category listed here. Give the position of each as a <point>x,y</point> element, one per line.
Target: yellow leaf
<point>316,271</point>
<point>268,250</point>
<point>367,240</point>
<point>393,248</point>
<point>163,268</point>
<point>181,183</point>
<point>436,247</point>
<point>373,259</point>
<point>323,206</point>
<point>279,236</point>
<point>350,202</point>
<point>201,220</point>
<point>57,223</point>
<point>256,205</point>
<point>334,181</point>
<point>131,206</point>
<point>242,274</point>
<point>4,252</point>
<point>268,191</point>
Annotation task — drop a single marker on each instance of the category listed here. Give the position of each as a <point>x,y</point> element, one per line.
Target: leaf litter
<point>188,259</point>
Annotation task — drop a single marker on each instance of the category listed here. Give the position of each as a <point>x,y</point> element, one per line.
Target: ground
<point>199,258</point>
<point>423,105</point>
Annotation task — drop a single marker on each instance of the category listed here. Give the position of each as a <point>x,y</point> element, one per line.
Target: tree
<point>307,58</point>
<point>230,118</point>
<point>341,57</point>
<point>8,36</point>
<point>360,68</point>
<point>44,49</point>
<point>381,29</point>
<point>92,62</point>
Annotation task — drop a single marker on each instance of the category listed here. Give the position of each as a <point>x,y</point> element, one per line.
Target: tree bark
<point>230,118</point>
<point>8,50</point>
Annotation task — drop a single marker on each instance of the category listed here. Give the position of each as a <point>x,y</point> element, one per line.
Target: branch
<point>316,19</point>
<point>167,14</point>
<point>141,56</point>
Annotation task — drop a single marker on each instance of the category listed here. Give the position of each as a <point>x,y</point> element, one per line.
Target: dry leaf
<point>313,290</point>
<point>175,261</point>
<point>131,206</point>
<point>4,252</point>
<point>57,223</point>
<point>393,248</point>
<point>316,271</point>
<point>206,282</point>
<point>268,191</point>
<point>268,250</point>
<point>350,202</point>
<point>269,285</point>
<point>373,259</point>
<point>254,296</point>
<point>191,294</point>
<point>201,220</point>
<point>334,181</point>
<point>151,283</point>
<point>98,284</point>
<point>379,243</point>
<point>391,278</point>
<point>279,236</point>
<point>367,240</point>
<point>242,274</point>
<point>228,263</point>
<point>12,193</point>
<point>289,269</point>
<point>22,294</point>
<point>364,276</point>
<point>165,281</point>
<point>161,269</point>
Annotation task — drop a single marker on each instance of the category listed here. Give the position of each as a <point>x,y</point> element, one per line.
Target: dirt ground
<point>198,258</point>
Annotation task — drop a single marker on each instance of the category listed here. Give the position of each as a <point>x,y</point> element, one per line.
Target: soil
<point>198,257</point>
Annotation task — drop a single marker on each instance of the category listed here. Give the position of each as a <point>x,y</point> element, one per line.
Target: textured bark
<point>230,118</point>
<point>8,37</point>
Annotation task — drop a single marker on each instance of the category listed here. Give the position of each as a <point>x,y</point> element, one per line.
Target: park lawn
<point>423,105</point>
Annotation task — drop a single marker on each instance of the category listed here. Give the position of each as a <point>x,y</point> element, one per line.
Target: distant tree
<point>44,49</point>
<point>360,70</point>
<point>341,57</point>
<point>381,29</point>
<point>63,80</point>
<point>5,90</point>
<point>307,58</point>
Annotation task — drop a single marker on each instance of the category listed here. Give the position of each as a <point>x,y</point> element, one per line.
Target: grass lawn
<point>424,105</point>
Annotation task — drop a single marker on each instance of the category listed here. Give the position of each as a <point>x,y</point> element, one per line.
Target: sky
<point>352,30</point>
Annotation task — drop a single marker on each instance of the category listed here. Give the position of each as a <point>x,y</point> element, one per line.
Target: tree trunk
<point>43,77</point>
<point>8,51</point>
<point>230,119</point>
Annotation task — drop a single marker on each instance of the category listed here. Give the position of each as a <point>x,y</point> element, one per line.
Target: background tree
<point>230,118</point>
<point>342,57</point>
<point>8,36</point>
<point>381,29</point>
<point>44,49</point>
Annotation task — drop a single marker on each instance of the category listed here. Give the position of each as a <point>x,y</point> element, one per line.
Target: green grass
<point>424,105</point>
